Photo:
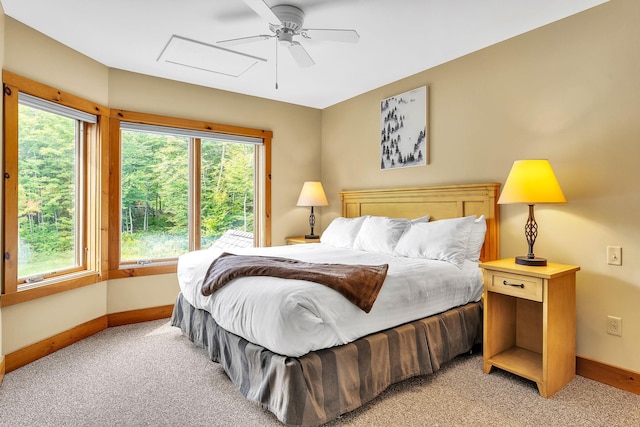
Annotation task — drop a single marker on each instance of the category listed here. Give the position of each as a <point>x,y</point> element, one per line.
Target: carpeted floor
<point>148,374</point>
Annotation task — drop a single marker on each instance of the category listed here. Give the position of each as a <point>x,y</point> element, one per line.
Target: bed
<point>314,369</point>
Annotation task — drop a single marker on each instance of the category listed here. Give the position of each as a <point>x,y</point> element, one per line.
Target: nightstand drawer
<point>301,240</point>
<point>515,285</point>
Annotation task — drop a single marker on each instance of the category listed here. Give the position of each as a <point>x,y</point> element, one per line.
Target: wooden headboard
<point>449,201</point>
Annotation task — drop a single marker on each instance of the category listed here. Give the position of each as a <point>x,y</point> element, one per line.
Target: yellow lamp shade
<point>531,182</point>
<point>312,194</point>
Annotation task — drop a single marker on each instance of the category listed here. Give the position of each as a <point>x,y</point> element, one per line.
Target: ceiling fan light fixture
<point>285,37</point>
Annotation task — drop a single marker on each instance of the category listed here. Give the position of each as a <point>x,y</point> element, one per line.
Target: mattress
<point>294,317</point>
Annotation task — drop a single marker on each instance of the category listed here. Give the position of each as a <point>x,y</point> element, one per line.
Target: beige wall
<point>295,150</point>
<point>42,318</point>
<point>568,92</point>
<point>33,55</point>
<point>141,292</point>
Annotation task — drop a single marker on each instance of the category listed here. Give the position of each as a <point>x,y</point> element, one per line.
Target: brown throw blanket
<point>360,284</point>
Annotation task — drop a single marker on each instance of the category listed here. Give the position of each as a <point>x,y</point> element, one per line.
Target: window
<point>156,165</point>
<point>227,188</point>
<point>183,187</point>
<point>82,181</point>
<point>154,195</point>
<point>50,191</point>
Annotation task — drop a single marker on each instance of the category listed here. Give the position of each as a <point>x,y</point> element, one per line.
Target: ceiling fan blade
<point>263,10</point>
<point>244,40</point>
<point>300,54</point>
<point>344,36</point>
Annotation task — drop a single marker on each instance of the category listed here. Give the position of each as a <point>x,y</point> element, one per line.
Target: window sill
<point>50,287</point>
<point>137,270</point>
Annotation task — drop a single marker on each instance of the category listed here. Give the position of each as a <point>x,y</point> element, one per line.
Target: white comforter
<point>294,317</point>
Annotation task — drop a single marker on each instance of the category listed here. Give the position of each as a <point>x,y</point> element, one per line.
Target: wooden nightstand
<point>299,240</point>
<point>530,322</point>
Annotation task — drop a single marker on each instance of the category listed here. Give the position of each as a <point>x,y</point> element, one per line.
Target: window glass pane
<point>47,192</point>
<point>154,217</point>
<point>227,188</point>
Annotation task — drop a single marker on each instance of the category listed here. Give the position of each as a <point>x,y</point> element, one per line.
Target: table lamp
<point>312,194</point>
<point>531,182</point>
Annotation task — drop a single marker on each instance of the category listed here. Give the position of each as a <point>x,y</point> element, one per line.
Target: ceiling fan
<point>285,22</point>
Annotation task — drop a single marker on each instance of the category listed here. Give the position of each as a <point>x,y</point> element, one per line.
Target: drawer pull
<point>517,285</point>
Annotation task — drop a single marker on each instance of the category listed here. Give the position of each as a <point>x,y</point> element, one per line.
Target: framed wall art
<point>404,136</point>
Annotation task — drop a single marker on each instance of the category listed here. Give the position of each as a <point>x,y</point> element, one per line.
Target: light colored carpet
<point>148,374</point>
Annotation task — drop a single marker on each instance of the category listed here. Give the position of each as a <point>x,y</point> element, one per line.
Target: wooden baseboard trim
<point>47,346</point>
<point>19,358</point>
<point>607,374</point>
<point>2,367</point>
<point>141,315</point>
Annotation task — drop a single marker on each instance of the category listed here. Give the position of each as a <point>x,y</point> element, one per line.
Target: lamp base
<point>311,236</point>
<point>535,262</point>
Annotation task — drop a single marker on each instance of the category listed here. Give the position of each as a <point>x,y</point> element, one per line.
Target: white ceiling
<point>397,38</point>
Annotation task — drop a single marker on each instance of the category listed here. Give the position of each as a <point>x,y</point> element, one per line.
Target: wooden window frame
<point>119,270</point>
<point>93,230</point>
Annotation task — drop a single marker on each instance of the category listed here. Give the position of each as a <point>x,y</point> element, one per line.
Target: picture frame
<point>404,132</point>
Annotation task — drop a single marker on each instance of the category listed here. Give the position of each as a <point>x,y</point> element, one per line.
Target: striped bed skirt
<point>320,386</point>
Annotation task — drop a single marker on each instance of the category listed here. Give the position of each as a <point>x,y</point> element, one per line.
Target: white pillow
<point>380,234</point>
<point>444,240</point>
<point>425,218</point>
<point>476,239</point>
<point>342,232</point>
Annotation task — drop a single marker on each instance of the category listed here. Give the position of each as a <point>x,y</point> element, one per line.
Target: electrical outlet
<point>614,325</point>
<point>614,255</point>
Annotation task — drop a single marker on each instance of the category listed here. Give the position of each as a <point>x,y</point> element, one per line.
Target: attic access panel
<point>203,56</point>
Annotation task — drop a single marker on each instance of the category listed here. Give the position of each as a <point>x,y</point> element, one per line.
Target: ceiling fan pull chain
<point>276,63</point>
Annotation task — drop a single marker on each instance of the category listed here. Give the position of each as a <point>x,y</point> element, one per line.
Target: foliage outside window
<point>155,190</point>
<point>49,190</point>
<point>162,169</point>
<point>227,189</point>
